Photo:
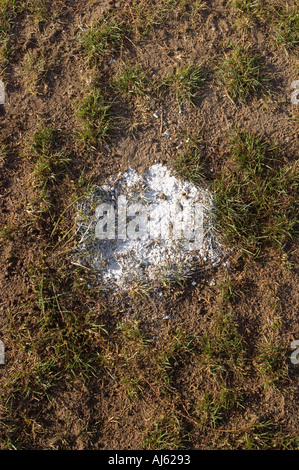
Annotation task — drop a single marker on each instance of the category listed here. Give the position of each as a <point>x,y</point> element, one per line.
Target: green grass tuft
<point>186,83</point>
<point>97,117</point>
<point>132,80</point>
<point>190,163</point>
<point>102,38</point>
<point>256,198</point>
<point>241,76</point>
<point>288,29</point>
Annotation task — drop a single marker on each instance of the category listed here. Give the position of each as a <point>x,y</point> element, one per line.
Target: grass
<point>136,365</point>
<point>212,406</point>
<point>230,290</point>
<point>97,118</point>
<point>102,38</point>
<point>44,140</point>
<point>3,151</point>
<point>246,6</point>
<point>185,83</point>
<point>63,348</point>
<point>240,74</point>
<point>288,29</point>
<point>190,163</point>
<point>165,434</point>
<point>256,197</point>
<point>144,17</point>
<point>271,361</point>
<point>147,16</point>
<point>261,436</point>
<point>6,51</point>
<point>222,363</point>
<point>81,363</point>
<point>132,80</point>
<point>6,233</point>
<point>40,10</point>
<point>50,165</point>
<point>134,345</point>
<point>223,341</point>
<point>60,344</point>
<point>8,11</point>
<point>37,67</point>
<point>282,20</point>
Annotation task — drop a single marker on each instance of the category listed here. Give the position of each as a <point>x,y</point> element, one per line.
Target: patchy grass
<point>206,363</point>
<point>50,166</point>
<point>189,163</point>
<point>132,80</point>
<point>6,51</point>
<point>271,361</point>
<point>264,435</point>
<point>6,233</point>
<point>221,360</point>
<point>185,83</point>
<point>63,348</point>
<point>241,75</point>
<point>38,9</point>
<point>97,118</point>
<point>165,434</point>
<point>37,67</point>
<point>3,151</point>
<point>246,6</point>
<point>102,38</point>
<point>146,16</point>
<point>288,28</point>
<point>8,11</point>
<point>256,197</point>
<point>230,290</point>
<point>282,20</point>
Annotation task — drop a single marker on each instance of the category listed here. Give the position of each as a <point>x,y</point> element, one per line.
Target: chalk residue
<point>157,252</point>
